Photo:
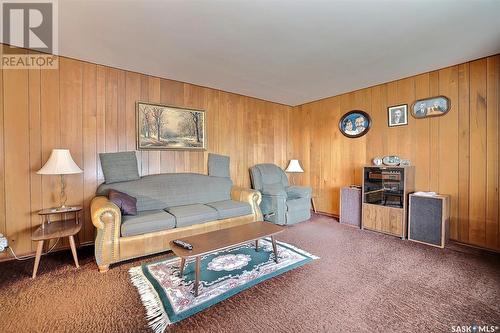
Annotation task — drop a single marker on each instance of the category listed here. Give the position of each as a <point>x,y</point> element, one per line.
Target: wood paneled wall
<point>90,109</point>
<point>456,154</point>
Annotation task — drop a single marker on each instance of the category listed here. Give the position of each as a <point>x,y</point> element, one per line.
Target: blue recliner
<point>281,204</point>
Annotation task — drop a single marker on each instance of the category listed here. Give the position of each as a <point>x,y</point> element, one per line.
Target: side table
<point>313,203</point>
<point>66,227</point>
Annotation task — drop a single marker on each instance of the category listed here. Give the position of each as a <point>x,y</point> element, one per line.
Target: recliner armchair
<point>281,204</point>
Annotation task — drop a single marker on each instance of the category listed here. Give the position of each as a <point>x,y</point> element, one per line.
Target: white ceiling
<point>289,52</point>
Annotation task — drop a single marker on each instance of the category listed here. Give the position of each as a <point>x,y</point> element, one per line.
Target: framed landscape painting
<point>168,127</point>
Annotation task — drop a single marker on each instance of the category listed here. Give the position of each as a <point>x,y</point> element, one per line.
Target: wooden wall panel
<point>17,158</point>
<point>463,152</point>
<point>456,154</point>
<point>70,101</point>
<point>2,159</point>
<point>477,179</point>
<point>91,109</point>
<point>35,147</point>
<point>492,151</point>
<point>89,145</point>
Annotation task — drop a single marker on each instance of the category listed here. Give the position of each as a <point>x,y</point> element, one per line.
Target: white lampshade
<point>60,162</point>
<point>294,166</point>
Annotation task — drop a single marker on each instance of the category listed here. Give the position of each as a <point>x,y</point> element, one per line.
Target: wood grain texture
<point>456,154</point>
<point>91,109</point>
<point>2,159</point>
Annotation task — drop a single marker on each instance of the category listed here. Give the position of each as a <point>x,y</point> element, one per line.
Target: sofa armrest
<point>299,191</point>
<point>106,217</point>
<point>252,197</point>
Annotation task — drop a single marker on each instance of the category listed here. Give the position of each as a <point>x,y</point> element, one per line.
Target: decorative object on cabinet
<point>377,161</point>
<point>60,163</point>
<point>428,219</point>
<point>355,124</point>
<point>391,160</point>
<point>397,115</point>
<point>384,198</point>
<point>430,107</point>
<point>350,206</point>
<point>405,163</point>
<point>170,128</point>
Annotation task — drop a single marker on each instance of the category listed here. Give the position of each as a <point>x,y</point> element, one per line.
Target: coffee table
<point>224,239</point>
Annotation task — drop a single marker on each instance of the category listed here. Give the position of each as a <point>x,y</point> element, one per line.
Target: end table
<point>66,227</point>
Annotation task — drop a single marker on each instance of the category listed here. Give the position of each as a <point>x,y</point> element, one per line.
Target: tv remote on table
<point>183,244</point>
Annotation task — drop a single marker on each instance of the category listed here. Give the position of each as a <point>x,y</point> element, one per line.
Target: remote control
<point>183,244</point>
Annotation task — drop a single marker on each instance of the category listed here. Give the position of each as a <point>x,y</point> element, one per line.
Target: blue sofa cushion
<point>173,189</point>
<point>218,165</point>
<point>192,214</point>
<point>145,222</point>
<point>119,167</point>
<point>230,208</point>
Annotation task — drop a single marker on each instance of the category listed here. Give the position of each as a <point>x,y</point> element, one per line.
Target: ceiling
<point>289,52</point>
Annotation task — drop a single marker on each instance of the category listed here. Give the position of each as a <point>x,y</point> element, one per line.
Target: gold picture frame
<point>167,127</point>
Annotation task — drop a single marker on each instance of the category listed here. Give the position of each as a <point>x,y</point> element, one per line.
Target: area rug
<point>169,299</point>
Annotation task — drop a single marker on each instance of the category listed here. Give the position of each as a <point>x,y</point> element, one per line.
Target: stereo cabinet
<point>385,193</point>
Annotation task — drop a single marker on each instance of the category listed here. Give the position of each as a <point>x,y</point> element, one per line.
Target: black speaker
<point>428,219</point>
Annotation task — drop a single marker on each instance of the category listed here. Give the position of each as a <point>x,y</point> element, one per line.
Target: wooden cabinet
<point>385,196</point>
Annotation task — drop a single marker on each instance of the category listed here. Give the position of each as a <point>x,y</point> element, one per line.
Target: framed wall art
<point>397,115</point>
<point>168,127</point>
<point>430,107</point>
<point>355,124</point>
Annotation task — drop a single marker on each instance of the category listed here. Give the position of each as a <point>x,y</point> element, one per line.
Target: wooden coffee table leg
<point>39,249</point>
<point>181,269</point>
<point>275,249</point>
<point>257,245</point>
<point>73,250</point>
<point>197,276</point>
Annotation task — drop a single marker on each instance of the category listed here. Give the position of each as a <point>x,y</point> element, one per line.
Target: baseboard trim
<point>335,216</point>
<point>9,256</point>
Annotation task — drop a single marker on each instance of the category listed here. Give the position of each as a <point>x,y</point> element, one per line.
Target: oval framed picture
<point>355,123</point>
<point>430,107</point>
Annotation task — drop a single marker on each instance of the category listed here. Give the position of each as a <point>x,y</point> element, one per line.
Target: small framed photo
<point>430,107</point>
<point>397,115</point>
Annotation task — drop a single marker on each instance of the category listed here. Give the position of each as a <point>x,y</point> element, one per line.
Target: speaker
<point>428,219</point>
<point>350,206</point>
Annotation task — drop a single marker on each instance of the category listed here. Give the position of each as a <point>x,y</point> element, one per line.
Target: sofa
<point>281,204</point>
<point>169,206</point>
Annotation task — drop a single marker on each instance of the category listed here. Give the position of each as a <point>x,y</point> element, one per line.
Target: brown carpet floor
<point>364,282</point>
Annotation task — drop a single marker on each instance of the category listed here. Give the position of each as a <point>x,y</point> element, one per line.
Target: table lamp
<point>294,167</point>
<point>60,163</point>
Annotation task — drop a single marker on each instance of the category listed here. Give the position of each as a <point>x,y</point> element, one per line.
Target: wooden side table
<point>313,203</point>
<point>67,227</point>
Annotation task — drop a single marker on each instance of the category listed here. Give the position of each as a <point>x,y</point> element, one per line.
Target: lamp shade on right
<point>294,166</point>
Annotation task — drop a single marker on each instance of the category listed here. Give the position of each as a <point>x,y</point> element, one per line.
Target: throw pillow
<point>218,165</point>
<point>126,203</point>
<point>119,167</point>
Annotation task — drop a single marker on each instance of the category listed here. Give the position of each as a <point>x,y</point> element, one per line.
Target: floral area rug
<point>168,298</point>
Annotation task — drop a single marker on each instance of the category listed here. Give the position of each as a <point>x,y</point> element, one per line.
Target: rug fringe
<point>295,249</point>
<point>156,315</point>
